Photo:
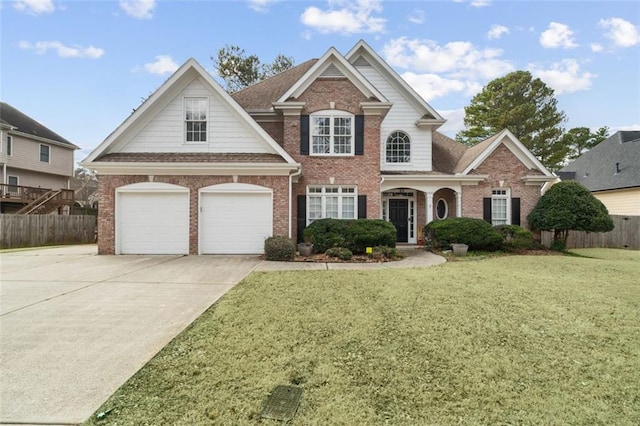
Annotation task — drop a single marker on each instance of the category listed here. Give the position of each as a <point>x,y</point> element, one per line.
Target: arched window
<point>398,148</point>
<point>442,209</point>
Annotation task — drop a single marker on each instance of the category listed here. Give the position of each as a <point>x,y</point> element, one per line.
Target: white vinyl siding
<point>226,131</point>
<point>401,116</point>
<point>25,155</point>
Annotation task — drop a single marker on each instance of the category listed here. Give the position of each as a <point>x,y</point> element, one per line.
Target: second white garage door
<point>235,218</point>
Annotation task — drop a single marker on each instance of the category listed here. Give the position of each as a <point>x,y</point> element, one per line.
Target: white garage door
<point>235,219</point>
<point>152,218</point>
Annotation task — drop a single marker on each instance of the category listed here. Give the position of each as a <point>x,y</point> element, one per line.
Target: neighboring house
<point>196,170</point>
<point>611,171</point>
<point>37,164</point>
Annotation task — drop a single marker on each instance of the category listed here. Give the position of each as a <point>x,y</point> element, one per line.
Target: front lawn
<point>505,340</point>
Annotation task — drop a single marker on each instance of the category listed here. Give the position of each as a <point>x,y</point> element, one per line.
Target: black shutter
<point>302,215</point>
<point>359,135</point>
<point>362,206</point>
<point>515,211</point>
<point>486,209</point>
<point>304,135</point>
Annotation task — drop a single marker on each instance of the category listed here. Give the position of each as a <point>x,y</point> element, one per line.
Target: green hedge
<point>279,248</point>
<point>356,234</point>
<point>476,233</point>
<point>516,237</point>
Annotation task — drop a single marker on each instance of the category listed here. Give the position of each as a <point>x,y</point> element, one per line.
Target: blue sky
<point>81,67</point>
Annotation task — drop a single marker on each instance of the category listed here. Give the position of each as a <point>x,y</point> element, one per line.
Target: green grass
<point>506,340</point>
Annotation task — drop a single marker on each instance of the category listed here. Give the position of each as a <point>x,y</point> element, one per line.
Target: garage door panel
<point>153,223</point>
<point>235,223</point>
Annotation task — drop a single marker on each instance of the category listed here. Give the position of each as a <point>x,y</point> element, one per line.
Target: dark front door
<point>399,216</point>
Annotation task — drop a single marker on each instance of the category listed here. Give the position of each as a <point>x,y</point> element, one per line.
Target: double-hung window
<point>195,111</point>
<point>332,133</point>
<point>337,202</point>
<point>45,153</point>
<point>500,207</point>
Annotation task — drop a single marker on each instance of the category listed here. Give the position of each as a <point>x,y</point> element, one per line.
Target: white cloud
<point>459,59</point>
<point>622,33</point>
<point>346,17</point>
<point>558,35</point>
<point>163,64</point>
<point>433,86</point>
<point>141,9</point>
<point>497,31</point>
<point>564,76</point>
<point>455,122</point>
<point>596,47</point>
<point>261,5</point>
<point>34,7</point>
<point>75,51</point>
<point>480,3</point>
<point>417,17</point>
<point>614,129</point>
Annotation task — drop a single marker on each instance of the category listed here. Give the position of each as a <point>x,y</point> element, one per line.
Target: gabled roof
<point>158,99</point>
<point>478,153</point>
<point>332,62</point>
<point>612,164</point>
<point>363,50</point>
<point>20,122</point>
<point>261,96</point>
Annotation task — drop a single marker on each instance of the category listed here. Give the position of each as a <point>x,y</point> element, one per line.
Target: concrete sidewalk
<point>75,326</point>
<point>416,258</point>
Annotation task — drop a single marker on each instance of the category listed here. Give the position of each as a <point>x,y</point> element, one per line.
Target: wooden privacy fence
<point>625,234</point>
<point>45,230</point>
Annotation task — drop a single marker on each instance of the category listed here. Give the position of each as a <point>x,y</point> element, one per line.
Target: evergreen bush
<point>354,234</point>
<point>476,233</point>
<point>279,248</point>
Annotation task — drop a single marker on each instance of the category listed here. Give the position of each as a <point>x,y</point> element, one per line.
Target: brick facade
<point>501,165</point>
<point>109,183</point>
<point>362,171</point>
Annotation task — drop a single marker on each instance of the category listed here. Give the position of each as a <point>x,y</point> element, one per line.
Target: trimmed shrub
<point>515,237</point>
<point>339,252</point>
<point>384,252</point>
<point>558,245</point>
<point>279,248</point>
<point>356,235</point>
<point>476,233</point>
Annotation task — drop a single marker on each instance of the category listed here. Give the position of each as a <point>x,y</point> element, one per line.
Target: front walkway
<point>416,258</point>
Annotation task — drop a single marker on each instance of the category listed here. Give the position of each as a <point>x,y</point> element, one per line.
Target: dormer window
<point>398,148</point>
<point>195,111</point>
<point>332,133</point>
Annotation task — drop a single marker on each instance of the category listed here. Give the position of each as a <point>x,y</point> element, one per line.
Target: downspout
<point>381,182</point>
<point>291,176</point>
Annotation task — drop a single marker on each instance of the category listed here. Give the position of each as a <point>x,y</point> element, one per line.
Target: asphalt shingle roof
<point>612,164</point>
<point>25,124</point>
<point>261,95</point>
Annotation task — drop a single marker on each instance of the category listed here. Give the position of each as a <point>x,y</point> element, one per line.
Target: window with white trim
<point>332,133</point>
<point>12,181</point>
<point>337,202</point>
<point>9,145</point>
<point>45,153</point>
<point>398,148</point>
<point>442,209</point>
<point>500,207</point>
<point>195,119</point>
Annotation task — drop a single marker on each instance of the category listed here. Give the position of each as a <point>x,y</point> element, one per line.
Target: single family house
<point>196,170</point>
<point>611,171</point>
<point>37,165</point>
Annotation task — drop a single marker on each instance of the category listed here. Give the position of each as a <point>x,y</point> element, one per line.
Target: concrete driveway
<point>75,326</point>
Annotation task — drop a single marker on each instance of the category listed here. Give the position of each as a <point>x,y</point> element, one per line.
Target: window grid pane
<point>348,208</point>
<point>196,120</point>
<point>331,202</point>
<point>499,211</point>
<point>398,148</point>
<point>44,153</point>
